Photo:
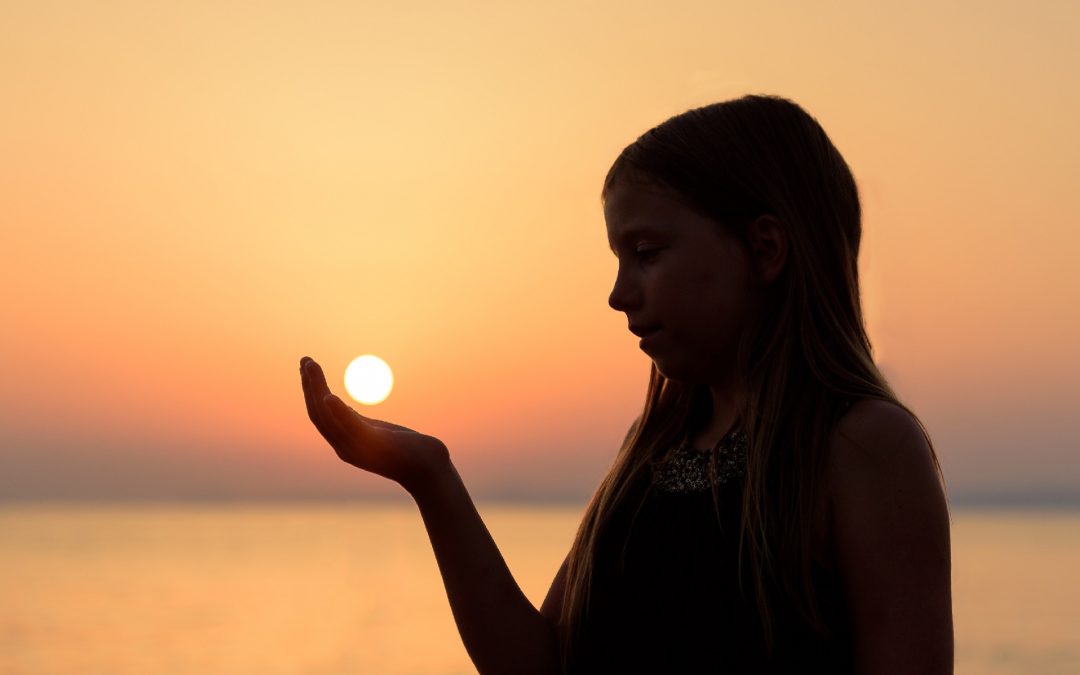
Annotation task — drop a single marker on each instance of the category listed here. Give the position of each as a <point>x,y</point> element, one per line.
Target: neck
<point>725,405</point>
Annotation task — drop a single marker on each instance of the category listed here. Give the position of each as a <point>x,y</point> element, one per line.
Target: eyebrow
<point>633,232</point>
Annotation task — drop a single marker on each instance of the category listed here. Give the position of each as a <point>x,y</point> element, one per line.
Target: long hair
<point>798,361</point>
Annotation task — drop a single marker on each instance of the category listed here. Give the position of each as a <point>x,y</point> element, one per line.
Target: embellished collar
<point>686,469</point>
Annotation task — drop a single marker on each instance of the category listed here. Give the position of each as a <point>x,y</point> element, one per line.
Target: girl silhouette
<point>774,508</point>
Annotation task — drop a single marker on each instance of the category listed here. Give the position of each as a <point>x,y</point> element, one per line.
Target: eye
<point>647,253</point>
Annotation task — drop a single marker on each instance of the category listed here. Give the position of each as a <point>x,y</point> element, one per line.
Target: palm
<point>383,448</point>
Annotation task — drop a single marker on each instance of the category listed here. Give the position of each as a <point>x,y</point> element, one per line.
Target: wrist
<point>432,478</point>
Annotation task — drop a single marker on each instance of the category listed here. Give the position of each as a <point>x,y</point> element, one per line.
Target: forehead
<point>632,210</point>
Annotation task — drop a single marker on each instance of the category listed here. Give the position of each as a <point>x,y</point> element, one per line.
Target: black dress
<point>676,605</point>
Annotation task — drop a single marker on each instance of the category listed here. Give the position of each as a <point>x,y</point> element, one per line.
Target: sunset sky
<point>195,195</point>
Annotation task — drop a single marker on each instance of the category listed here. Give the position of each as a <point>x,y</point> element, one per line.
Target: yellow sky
<point>195,195</point>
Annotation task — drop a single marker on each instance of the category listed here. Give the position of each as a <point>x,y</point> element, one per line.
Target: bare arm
<point>502,631</point>
<point>552,606</point>
<point>890,529</point>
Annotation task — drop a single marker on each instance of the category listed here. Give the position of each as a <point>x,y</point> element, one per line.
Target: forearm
<point>503,632</point>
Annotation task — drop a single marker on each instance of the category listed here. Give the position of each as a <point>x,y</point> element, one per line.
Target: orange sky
<point>195,195</point>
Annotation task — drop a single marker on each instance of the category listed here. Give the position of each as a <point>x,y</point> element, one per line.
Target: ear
<point>769,245</point>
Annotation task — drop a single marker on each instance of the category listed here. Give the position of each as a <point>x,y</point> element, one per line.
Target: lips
<point>642,331</point>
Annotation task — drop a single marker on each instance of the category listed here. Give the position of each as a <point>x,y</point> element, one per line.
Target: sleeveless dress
<point>676,605</point>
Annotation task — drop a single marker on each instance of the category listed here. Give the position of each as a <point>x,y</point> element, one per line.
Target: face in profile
<point>683,282</point>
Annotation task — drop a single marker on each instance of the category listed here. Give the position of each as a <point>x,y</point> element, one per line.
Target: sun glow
<point>368,379</point>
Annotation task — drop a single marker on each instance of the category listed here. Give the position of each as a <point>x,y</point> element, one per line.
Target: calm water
<point>335,590</point>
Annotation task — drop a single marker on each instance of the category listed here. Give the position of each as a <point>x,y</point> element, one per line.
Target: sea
<point>354,589</point>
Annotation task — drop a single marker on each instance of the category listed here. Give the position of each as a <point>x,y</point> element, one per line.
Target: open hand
<point>387,449</point>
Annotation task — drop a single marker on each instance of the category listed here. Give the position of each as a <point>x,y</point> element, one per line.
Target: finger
<point>318,379</point>
<point>348,420</point>
<point>309,397</point>
<point>317,412</point>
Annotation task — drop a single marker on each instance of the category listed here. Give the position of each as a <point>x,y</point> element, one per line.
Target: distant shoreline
<point>957,503</point>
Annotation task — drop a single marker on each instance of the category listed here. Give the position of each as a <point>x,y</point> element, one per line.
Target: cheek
<point>713,307</point>
<point>713,291</point>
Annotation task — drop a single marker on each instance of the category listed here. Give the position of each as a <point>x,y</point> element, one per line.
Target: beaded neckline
<point>687,469</point>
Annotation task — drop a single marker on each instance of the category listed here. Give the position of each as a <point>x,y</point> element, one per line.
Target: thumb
<point>337,410</point>
<point>344,416</point>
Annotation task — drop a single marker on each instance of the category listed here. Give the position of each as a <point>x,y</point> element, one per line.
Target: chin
<point>678,372</point>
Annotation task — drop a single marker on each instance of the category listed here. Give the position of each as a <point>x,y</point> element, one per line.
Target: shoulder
<point>877,444</point>
<point>880,475</point>
<point>889,537</point>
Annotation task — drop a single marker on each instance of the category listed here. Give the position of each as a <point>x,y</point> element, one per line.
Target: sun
<point>368,379</point>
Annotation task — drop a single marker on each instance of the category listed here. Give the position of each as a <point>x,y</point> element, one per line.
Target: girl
<point>774,508</point>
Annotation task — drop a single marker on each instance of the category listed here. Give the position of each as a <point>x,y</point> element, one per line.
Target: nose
<point>624,294</point>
